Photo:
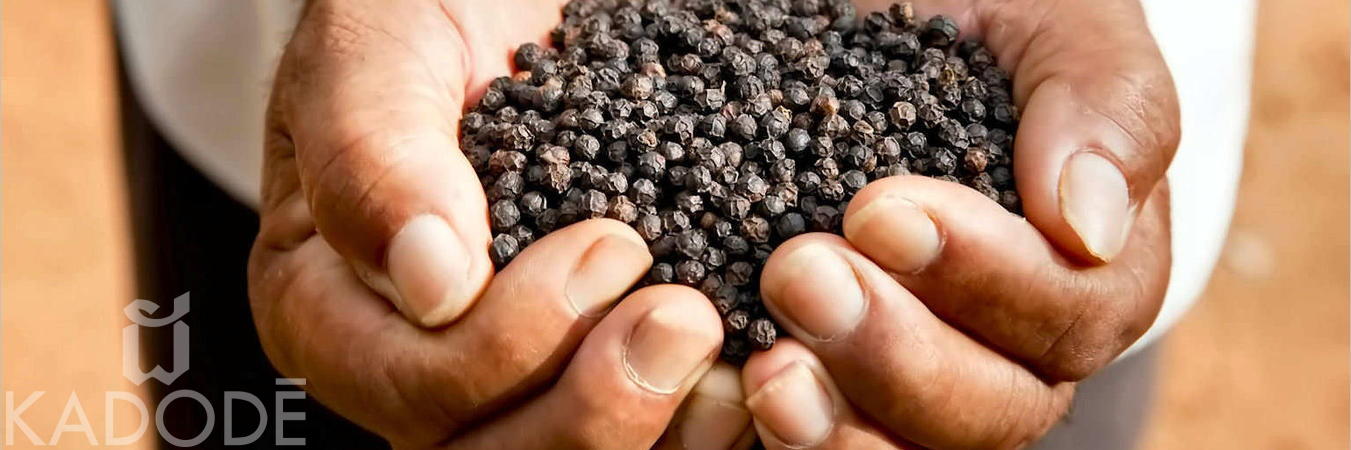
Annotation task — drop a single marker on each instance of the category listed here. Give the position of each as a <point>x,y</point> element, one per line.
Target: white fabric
<point>203,68</point>
<point>1208,45</point>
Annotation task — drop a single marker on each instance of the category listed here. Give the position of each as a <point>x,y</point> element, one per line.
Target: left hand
<point>370,276</point>
<point>943,321</point>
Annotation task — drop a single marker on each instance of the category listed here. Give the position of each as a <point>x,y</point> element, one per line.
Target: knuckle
<point>350,175</point>
<point>1105,319</point>
<point>514,357</point>
<point>1048,410</point>
<point>1145,288</point>
<point>926,371</point>
<point>1088,343</point>
<point>1143,106</point>
<point>1072,363</point>
<point>272,280</point>
<point>599,422</point>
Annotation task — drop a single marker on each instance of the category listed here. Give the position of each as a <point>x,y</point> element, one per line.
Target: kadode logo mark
<point>74,420</point>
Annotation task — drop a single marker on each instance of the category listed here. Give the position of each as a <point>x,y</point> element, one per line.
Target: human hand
<point>362,170</point>
<point>941,320</point>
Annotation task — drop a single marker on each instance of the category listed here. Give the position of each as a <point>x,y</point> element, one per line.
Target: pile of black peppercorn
<point>720,128</point>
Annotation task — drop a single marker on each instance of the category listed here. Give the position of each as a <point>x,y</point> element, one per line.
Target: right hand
<point>943,321</point>
<point>370,276</point>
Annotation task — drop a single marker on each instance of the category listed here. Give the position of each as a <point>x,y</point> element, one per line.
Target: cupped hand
<point>370,276</point>
<point>941,320</point>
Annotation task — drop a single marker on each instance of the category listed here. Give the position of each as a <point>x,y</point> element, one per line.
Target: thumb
<point>371,101</point>
<point>1100,118</point>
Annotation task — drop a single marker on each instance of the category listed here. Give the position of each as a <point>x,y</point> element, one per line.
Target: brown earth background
<point>1260,363</point>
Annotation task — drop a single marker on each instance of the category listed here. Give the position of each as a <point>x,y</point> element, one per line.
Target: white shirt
<point>203,68</point>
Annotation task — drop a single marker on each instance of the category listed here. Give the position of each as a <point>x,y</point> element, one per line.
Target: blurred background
<point>1260,362</point>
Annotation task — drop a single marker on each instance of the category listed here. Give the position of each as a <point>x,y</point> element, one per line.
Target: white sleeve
<point>1208,45</point>
<point>202,70</point>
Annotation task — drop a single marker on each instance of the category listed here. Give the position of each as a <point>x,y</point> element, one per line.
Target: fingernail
<point>665,349</point>
<point>714,417</point>
<point>1095,201</point>
<point>428,266</point>
<point>605,272</point>
<point>895,232</point>
<point>794,407</point>
<point>817,290</point>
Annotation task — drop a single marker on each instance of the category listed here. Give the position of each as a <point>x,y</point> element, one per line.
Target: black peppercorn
<point>507,187</point>
<point>661,273</point>
<point>736,321</point>
<point>689,202</point>
<point>594,203</point>
<point>755,229</point>
<point>761,333</point>
<point>504,214</point>
<point>736,245</point>
<point>853,180</point>
<point>533,203</point>
<point>638,87</point>
<point>622,209</point>
<point>718,130</point>
<point>689,272</point>
<point>649,227</point>
<point>503,249</point>
<point>744,127</point>
<point>825,218</point>
<point>790,224</point>
<point>772,206</point>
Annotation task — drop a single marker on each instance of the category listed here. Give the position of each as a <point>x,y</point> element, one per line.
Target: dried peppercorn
<point>503,249</point>
<point>689,272</point>
<point>661,273</point>
<point>719,130</point>
<point>736,321</point>
<point>761,333</point>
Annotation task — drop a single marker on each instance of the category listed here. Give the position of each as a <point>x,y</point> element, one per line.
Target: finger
<point>372,116</point>
<point>1100,119</point>
<point>497,32</point>
<point>713,416</point>
<point>923,380</point>
<point>798,406</point>
<point>372,101</point>
<point>363,360</point>
<point>625,382</point>
<point>993,275</point>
